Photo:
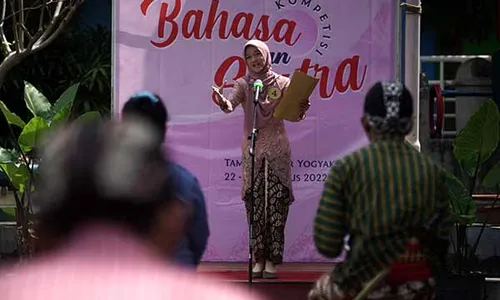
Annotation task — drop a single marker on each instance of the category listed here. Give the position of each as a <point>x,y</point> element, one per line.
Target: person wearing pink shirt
<point>107,214</point>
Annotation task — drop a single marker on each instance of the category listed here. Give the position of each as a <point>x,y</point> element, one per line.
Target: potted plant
<point>20,163</point>
<point>473,148</point>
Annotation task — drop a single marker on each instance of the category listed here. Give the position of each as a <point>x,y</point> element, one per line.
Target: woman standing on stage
<point>273,179</point>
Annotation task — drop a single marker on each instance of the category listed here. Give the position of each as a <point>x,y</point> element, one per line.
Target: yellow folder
<point>300,89</point>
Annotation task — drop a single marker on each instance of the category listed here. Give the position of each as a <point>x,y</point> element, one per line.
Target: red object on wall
<point>436,106</point>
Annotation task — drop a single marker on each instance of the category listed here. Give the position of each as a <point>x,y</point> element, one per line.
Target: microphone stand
<point>252,138</point>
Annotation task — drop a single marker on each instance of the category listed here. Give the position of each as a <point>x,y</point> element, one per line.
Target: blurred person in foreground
<point>151,108</point>
<point>392,203</point>
<point>107,215</point>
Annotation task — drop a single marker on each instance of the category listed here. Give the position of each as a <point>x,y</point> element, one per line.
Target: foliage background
<point>81,54</point>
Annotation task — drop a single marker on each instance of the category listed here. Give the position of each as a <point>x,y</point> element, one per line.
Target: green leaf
<point>9,210</point>
<point>7,156</point>
<point>463,207</point>
<point>479,138</point>
<point>469,164</point>
<point>11,117</point>
<point>18,175</point>
<point>62,116</point>
<point>89,117</point>
<point>35,101</point>
<point>6,214</point>
<point>32,133</point>
<point>62,108</point>
<point>86,106</point>
<point>492,179</point>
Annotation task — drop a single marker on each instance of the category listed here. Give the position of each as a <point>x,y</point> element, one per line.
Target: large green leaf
<point>7,156</point>
<point>11,117</point>
<point>492,179</point>
<point>18,175</point>
<point>62,108</point>
<point>463,207</point>
<point>35,101</point>
<point>7,214</point>
<point>479,138</point>
<point>89,116</point>
<point>62,116</point>
<point>32,133</point>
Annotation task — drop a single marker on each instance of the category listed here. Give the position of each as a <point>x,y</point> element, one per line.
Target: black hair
<point>76,197</point>
<point>150,107</point>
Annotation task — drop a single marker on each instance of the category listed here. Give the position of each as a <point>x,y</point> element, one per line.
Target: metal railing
<point>441,61</point>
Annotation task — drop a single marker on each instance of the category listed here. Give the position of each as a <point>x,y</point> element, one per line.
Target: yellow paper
<point>300,89</point>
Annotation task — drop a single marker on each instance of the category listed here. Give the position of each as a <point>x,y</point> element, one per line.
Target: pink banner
<point>179,48</point>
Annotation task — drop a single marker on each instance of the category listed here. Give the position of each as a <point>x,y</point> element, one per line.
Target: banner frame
<point>399,44</point>
<point>114,86</point>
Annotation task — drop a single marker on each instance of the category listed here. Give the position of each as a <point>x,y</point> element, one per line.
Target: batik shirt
<point>376,195</point>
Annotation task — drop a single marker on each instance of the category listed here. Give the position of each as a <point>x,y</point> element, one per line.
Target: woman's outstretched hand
<point>219,90</point>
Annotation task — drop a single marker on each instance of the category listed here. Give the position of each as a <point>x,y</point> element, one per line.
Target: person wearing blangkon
<point>273,182</point>
<point>392,202</point>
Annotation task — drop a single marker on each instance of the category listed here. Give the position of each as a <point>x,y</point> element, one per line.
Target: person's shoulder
<point>283,80</point>
<point>155,281</point>
<point>180,171</point>
<point>427,160</point>
<point>187,184</point>
<point>242,81</point>
<point>352,159</point>
<point>176,167</point>
<point>429,165</point>
<point>442,175</point>
<point>430,162</point>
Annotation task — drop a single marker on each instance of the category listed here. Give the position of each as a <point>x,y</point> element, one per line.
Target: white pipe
<point>397,72</point>
<point>451,58</point>
<point>114,62</point>
<point>412,68</point>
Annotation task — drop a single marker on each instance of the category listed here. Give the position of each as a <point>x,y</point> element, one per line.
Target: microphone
<point>257,87</point>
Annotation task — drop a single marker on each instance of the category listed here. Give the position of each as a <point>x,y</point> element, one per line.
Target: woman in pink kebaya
<point>273,178</point>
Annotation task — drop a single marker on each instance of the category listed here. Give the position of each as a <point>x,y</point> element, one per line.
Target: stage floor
<point>293,283</point>
<point>239,266</point>
<point>287,272</point>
